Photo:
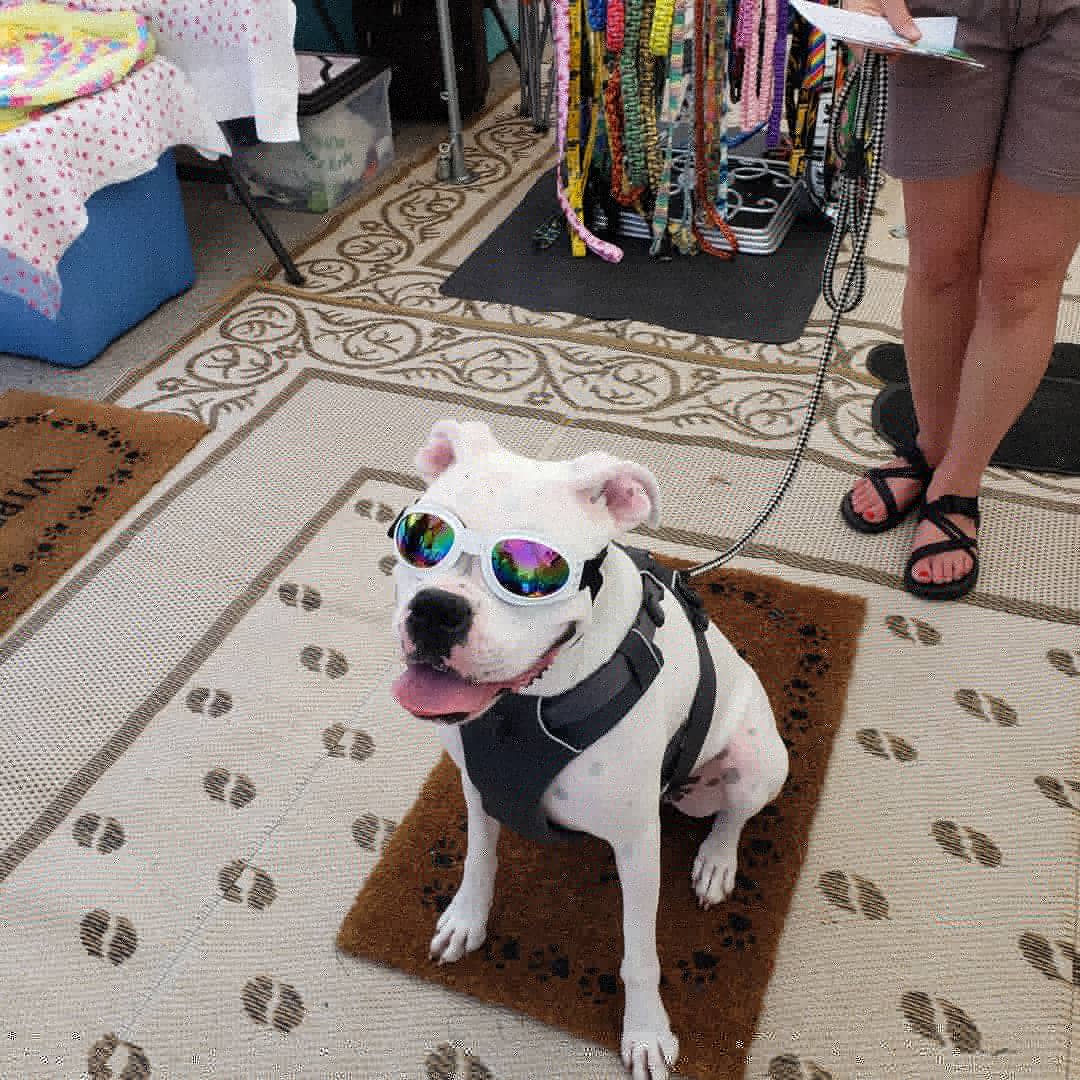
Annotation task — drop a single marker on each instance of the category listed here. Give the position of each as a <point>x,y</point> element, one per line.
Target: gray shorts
<point>1020,113</point>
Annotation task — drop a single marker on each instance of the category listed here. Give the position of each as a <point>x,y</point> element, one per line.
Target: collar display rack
<point>655,96</point>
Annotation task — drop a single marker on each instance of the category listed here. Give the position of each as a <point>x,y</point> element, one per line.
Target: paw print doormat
<point>554,940</point>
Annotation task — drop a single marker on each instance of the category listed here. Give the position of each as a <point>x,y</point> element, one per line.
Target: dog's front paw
<point>461,928</point>
<point>650,1055</point>
<point>714,872</point>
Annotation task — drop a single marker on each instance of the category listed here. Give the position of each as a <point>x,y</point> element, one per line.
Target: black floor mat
<point>1046,437</point>
<point>886,362</point>
<point>760,298</point>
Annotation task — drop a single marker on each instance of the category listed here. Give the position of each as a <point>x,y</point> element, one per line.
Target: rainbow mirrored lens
<point>526,568</point>
<point>424,540</point>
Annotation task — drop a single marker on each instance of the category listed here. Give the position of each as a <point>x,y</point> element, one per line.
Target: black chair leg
<point>239,185</point>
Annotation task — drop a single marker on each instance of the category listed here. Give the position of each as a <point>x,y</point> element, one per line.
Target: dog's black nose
<point>437,621</point>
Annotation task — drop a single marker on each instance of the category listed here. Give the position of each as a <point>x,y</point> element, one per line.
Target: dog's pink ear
<point>628,491</point>
<point>450,442</point>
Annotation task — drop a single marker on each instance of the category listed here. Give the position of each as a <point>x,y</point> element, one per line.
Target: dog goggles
<point>521,569</point>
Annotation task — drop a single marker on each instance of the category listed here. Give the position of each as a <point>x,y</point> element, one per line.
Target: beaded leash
<point>633,130</point>
<point>561,28</point>
<point>861,178</point>
<point>673,103</point>
<point>575,179</point>
<point>756,92</point>
<point>706,207</point>
<point>650,137</point>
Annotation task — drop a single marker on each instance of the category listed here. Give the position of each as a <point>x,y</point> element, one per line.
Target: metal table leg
<point>459,174</point>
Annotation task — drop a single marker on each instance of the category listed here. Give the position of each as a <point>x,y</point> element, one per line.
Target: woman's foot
<point>884,496</point>
<point>948,530</point>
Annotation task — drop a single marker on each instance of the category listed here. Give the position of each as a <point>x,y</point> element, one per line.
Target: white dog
<point>508,581</point>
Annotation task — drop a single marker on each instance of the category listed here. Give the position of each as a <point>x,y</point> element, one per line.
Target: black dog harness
<point>515,750</point>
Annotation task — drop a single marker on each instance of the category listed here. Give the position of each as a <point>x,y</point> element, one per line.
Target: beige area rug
<point>215,674</point>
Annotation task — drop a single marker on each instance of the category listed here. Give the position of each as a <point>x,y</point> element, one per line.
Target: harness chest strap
<point>516,749</point>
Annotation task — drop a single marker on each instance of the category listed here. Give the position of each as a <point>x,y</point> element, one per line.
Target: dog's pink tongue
<point>427,692</point>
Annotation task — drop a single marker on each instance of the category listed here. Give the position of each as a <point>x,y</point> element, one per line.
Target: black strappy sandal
<point>917,468</point>
<point>957,540</point>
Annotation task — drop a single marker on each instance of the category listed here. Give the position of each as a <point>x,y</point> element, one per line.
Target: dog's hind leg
<point>462,927</point>
<point>735,784</point>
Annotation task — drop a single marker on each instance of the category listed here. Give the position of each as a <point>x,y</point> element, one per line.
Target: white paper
<point>938,34</point>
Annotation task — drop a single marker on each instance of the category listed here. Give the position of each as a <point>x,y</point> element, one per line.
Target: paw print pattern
<point>699,970</point>
<point>913,630</point>
<point>987,707</point>
<point>884,744</point>
<point>375,511</point>
<point>1061,964</point>
<point>789,1067</point>
<point>966,844</point>
<point>111,1058</point>
<point>387,564</point>
<point>268,1001</point>
<point>353,743</point>
<point>372,832</point>
<point>303,597</point>
<point>109,937</point>
<point>102,834</point>
<point>500,951</point>
<point>1064,794</point>
<point>437,894</point>
<point>236,789</point>
<point>736,931</point>
<point>446,854</point>
<point>598,987</point>
<point>941,1022</point>
<point>549,963</point>
<point>442,1064</point>
<point>838,888</point>
<point>1064,661</point>
<point>328,662</point>
<point>207,702</point>
<point>242,883</point>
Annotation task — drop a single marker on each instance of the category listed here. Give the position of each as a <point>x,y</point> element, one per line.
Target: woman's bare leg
<point>1029,240</point>
<point>945,220</point>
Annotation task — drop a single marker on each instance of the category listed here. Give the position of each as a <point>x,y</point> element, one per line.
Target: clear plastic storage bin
<point>345,136</point>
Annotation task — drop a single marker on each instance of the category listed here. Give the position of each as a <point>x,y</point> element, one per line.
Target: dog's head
<point>479,607</point>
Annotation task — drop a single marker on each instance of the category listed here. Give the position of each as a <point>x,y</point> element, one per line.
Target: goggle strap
<point>591,577</point>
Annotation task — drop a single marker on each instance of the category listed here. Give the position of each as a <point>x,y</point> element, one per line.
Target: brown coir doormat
<point>68,470</point>
<point>554,937</point>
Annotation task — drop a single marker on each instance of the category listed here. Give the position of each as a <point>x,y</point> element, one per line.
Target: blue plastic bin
<point>133,256</point>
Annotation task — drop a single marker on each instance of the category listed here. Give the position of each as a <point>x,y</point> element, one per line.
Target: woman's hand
<point>894,11</point>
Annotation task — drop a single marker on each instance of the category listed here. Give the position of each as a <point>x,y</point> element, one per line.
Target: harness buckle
<point>652,594</point>
<point>691,602</point>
